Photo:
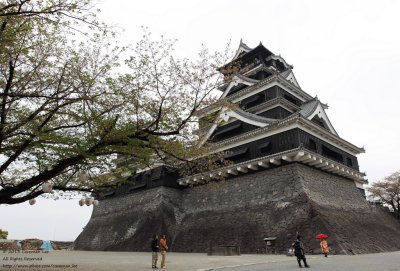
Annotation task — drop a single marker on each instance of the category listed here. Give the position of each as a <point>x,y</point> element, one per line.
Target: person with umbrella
<point>323,243</point>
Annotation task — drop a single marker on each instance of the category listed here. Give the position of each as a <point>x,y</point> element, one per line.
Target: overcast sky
<point>345,52</point>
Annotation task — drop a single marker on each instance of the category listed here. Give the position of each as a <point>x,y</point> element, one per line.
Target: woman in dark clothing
<point>299,252</point>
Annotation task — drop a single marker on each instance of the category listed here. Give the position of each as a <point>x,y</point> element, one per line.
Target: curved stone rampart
<point>277,202</point>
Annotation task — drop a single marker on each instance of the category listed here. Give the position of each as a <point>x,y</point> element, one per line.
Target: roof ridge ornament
<point>243,47</point>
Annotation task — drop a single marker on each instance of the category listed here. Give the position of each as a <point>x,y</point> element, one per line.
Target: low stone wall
<point>8,245</point>
<point>31,244</point>
<point>242,211</point>
<point>224,251</point>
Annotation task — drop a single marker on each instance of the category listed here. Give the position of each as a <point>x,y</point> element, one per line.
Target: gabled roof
<point>242,48</point>
<point>236,79</point>
<point>279,101</point>
<point>238,114</point>
<point>273,79</point>
<point>313,108</point>
<point>246,117</point>
<point>289,75</point>
<point>295,120</point>
<point>278,57</point>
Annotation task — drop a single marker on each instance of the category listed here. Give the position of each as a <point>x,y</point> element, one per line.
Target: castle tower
<point>273,121</point>
<point>289,172</point>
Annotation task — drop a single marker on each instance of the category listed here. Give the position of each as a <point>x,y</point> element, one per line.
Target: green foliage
<point>65,109</point>
<point>3,234</point>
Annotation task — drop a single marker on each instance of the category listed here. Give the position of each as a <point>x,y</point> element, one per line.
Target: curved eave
<point>291,122</point>
<point>291,78</point>
<point>242,48</point>
<point>249,117</point>
<point>278,57</point>
<point>238,80</point>
<point>238,77</point>
<point>329,135</point>
<point>246,52</point>
<point>260,86</point>
<point>279,101</point>
<point>237,114</point>
<point>319,111</point>
<point>299,155</point>
<point>259,67</point>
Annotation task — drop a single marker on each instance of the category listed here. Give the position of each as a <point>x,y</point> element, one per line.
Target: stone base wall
<point>243,211</point>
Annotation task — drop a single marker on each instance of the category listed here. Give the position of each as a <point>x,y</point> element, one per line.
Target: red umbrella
<point>321,236</point>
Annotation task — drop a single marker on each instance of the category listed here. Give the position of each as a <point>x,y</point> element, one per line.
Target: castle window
<point>252,101</point>
<point>236,88</point>
<point>223,130</point>
<point>332,154</point>
<point>265,148</point>
<point>233,155</point>
<point>349,162</point>
<point>312,145</point>
<point>290,99</point>
<point>320,122</point>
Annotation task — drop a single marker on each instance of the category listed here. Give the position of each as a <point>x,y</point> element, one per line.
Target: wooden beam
<point>311,160</point>
<point>263,164</point>
<point>304,157</point>
<point>222,174</point>
<point>205,177</point>
<point>275,161</point>
<point>316,162</point>
<point>287,158</point>
<point>336,169</point>
<point>232,172</point>
<point>252,167</point>
<point>329,165</point>
<point>322,165</point>
<point>299,155</point>
<point>331,168</point>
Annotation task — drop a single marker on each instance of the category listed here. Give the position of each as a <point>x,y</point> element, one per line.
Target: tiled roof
<point>308,107</point>
<point>254,116</point>
<point>286,72</point>
<point>245,78</point>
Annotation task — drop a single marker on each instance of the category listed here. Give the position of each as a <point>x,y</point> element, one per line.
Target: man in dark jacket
<point>299,252</point>
<point>154,248</point>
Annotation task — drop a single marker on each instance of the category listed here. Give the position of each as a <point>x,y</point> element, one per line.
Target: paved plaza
<point>137,261</point>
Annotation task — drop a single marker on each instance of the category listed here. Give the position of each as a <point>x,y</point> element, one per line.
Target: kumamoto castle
<point>290,172</point>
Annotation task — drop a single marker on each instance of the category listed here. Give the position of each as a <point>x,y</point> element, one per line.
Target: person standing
<point>164,248</point>
<point>299,252</point>
<point>324,247</point>
<point>154,248</point>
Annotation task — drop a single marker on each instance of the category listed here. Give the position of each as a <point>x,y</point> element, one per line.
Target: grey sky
<point>345,52</point>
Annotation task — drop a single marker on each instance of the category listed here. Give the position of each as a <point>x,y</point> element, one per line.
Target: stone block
<point>278,203</point>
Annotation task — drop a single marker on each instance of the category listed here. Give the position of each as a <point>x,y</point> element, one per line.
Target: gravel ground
<point>137,261</point>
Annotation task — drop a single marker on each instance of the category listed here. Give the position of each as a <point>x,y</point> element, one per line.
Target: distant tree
<point>69,106</point>
<point>388,192</point>
<point>3,234</point>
